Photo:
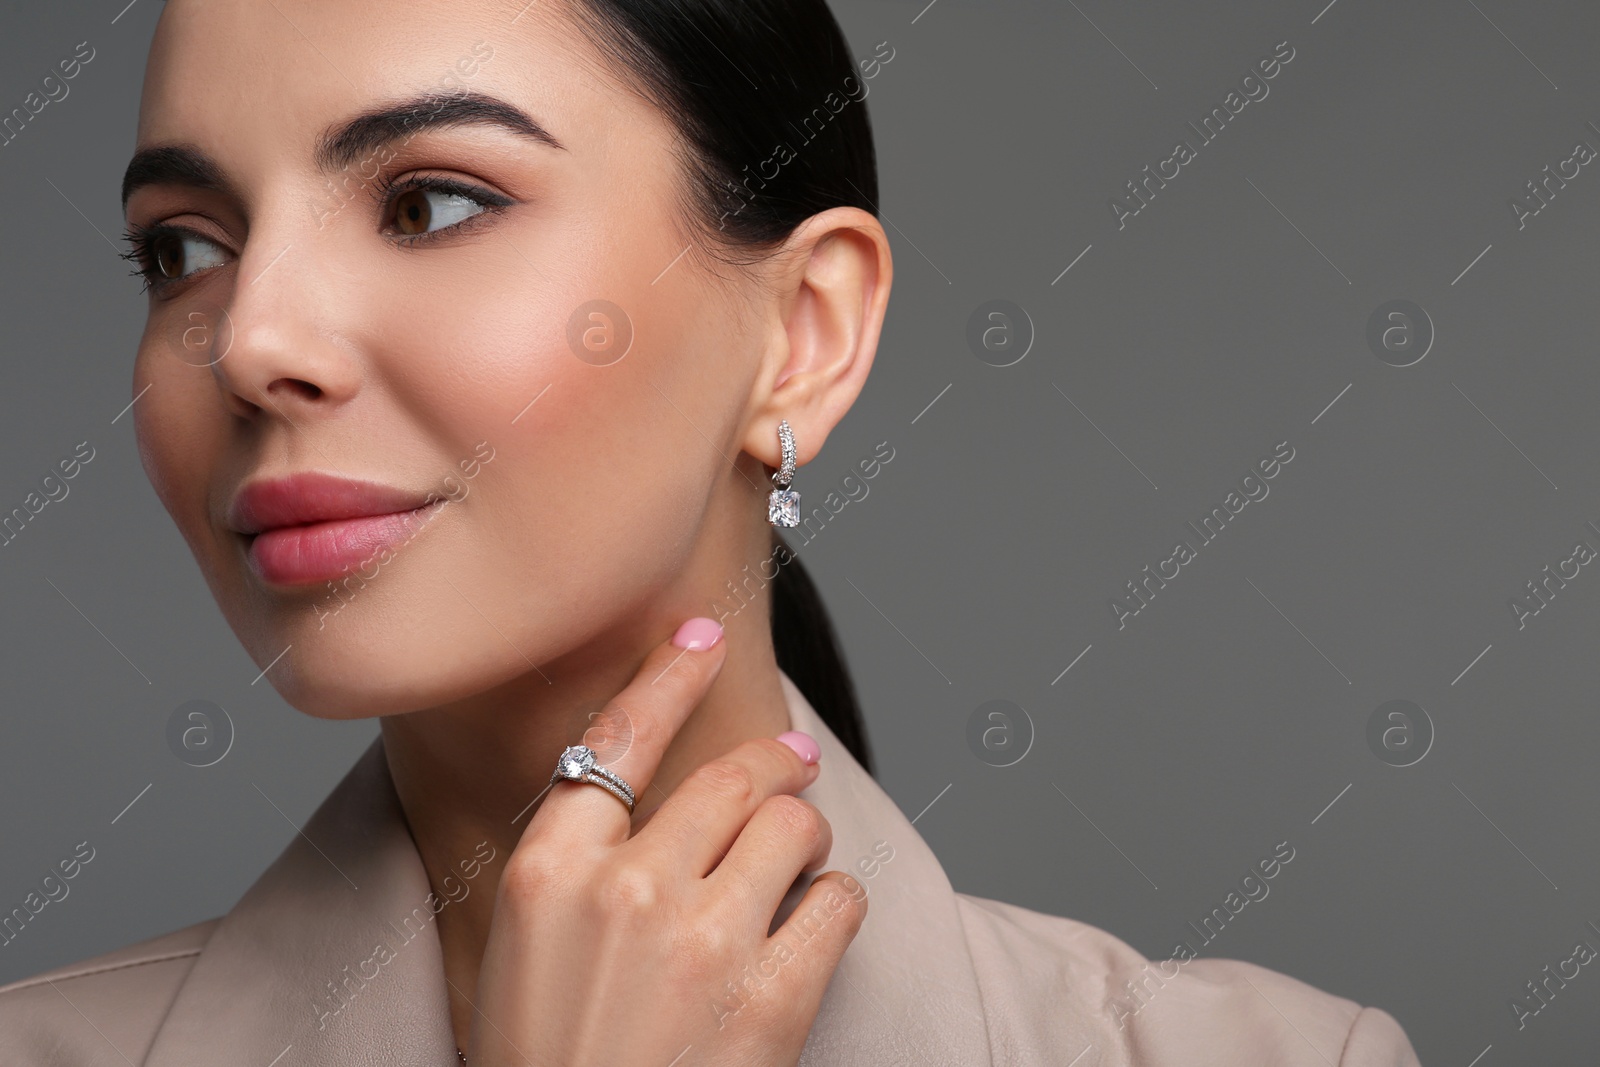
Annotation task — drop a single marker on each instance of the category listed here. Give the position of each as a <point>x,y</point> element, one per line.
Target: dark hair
<point>808,652</point>
<point>757,86</point>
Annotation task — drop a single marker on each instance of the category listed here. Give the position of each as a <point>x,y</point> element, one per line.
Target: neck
<point>470,772</point>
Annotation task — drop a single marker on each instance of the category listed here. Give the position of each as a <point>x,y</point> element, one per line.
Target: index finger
<point>632,735</point>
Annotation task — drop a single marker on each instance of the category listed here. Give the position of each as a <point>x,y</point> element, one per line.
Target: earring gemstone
<point>783,507</point>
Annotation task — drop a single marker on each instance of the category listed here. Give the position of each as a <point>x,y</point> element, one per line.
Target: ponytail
<point>808,652</point>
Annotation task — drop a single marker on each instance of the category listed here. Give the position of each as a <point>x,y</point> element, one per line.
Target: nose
<point>286,356</point>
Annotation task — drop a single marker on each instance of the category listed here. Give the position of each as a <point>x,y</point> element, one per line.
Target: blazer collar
<point>272,985</point>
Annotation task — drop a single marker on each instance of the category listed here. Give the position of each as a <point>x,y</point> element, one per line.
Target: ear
<point>830,293</point>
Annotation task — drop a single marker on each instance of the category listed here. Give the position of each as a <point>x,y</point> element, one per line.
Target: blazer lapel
<point>291,975</point>
<point>331,957</point>
<point>905,991</point>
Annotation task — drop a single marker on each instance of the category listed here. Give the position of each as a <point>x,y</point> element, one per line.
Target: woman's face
<point>485,307</point>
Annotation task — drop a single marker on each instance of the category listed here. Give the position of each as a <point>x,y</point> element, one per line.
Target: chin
<point>406,642</point>
<point>372,671</point>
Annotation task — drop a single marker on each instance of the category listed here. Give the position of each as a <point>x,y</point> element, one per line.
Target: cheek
<point>182,436</point>
<point>590,461</point>
<point>179,434</point>
<point>602,470</point>
<point>606,415</point>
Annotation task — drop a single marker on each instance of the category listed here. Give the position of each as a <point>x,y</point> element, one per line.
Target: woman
<point>484,341</point>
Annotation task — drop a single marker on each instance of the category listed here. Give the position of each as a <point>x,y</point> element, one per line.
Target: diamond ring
<point>577,764</point>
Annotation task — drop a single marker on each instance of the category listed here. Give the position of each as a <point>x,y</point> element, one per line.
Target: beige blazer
<point>292,976</point>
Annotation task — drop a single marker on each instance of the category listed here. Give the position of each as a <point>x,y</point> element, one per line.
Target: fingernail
<point>698,634</point>
<point>803,744</point>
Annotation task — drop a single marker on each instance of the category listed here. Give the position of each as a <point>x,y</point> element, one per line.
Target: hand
<point>650,950</point>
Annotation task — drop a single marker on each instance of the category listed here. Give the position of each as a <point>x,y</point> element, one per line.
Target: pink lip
<point>313,527</point>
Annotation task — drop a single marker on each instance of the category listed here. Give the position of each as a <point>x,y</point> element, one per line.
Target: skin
<point>617,505</point>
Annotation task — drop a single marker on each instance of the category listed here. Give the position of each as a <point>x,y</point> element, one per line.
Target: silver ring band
<point>577,764</point>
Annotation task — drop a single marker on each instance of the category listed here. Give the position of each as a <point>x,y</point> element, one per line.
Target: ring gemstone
<point>576,762</point>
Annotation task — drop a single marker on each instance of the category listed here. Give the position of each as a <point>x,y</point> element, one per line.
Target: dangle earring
<point>783,506</point>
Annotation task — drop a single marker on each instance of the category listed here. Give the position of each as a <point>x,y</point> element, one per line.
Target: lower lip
<point>323,551</point>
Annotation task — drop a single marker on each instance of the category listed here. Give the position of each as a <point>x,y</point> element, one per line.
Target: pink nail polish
<point>698,634</point>
<point>804,745</point>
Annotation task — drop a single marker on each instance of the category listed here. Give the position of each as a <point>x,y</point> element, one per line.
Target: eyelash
<point>142,239</point>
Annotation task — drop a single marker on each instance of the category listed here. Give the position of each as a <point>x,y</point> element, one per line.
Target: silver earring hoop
<point>783,506</point>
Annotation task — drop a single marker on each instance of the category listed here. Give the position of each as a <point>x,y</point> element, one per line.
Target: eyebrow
<point>341,145</point>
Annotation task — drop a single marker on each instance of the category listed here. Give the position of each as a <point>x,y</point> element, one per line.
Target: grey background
<point>1228,315</point>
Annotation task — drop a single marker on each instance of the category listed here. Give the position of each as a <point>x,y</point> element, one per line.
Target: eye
<point>164,254</point>
<point>418,208</point>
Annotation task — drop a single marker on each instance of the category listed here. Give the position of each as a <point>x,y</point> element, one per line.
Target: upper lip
<point>298,499</point>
